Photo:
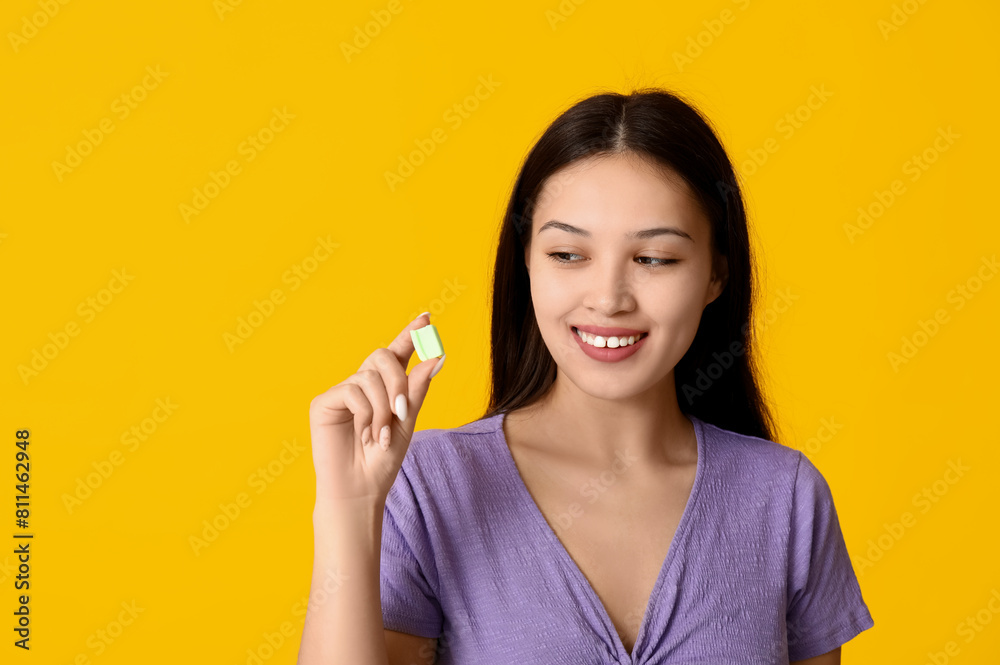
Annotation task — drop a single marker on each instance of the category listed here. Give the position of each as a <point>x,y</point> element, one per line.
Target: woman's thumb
<point>419,382</point>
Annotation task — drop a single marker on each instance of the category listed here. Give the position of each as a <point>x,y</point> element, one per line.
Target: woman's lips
<point>607,354</point>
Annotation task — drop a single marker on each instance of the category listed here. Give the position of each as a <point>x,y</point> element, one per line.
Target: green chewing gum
<point>427,342</point>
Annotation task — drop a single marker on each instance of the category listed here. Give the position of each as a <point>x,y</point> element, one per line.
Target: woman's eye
<point>558,258</point>
<point>662,262</point>
<point>555,256</point>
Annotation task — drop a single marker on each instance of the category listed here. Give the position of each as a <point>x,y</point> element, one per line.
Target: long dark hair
<point>716,380</point>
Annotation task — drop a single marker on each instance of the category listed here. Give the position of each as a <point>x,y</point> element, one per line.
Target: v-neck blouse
<point>757,573</point>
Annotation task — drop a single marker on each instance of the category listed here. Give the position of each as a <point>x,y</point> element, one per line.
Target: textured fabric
<point>757,573</point>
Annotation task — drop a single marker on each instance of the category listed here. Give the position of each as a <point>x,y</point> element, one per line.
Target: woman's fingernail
<point>427,313</point>
<point>437,368</point>
<point>366,435</point>
<point>401,406</point>
<point>384,438</point>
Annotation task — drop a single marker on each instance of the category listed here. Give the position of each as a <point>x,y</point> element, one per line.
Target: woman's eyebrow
<point>635,235</point>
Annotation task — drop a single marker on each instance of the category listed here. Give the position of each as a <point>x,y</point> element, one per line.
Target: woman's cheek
<point>542,294</point>
<point>545,299</point>
<point>679,321</point>
<point>549,290</point>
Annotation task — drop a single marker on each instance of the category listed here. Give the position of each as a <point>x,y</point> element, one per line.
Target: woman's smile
<point>611,338</point>
<point>610,348</point>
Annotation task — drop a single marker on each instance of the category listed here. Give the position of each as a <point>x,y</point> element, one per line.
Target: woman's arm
<point>344,614</point>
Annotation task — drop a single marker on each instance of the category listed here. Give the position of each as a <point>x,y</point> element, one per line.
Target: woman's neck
<point>593,430</point>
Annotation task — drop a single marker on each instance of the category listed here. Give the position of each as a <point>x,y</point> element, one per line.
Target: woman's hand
<point>352,421</point>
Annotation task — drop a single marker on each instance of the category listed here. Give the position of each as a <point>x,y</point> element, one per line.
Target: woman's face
<point>617,244</point>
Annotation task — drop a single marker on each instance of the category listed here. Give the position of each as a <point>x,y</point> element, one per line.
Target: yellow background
<point>427,244</point>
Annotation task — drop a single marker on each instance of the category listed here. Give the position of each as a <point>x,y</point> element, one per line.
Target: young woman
<point>624,498</point>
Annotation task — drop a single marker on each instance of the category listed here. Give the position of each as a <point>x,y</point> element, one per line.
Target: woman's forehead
<point>616,192</point>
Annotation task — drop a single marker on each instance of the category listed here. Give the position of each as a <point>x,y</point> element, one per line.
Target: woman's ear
<point>720,276</point>
<point>527,263</point>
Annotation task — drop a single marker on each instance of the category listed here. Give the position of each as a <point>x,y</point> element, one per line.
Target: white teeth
<point>609,342</point>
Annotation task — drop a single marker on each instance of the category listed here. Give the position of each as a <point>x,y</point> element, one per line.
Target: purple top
<point>757,572</point>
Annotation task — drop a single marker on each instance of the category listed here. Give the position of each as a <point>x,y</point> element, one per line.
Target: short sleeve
<point>825,608</point>
<point>408,576</point>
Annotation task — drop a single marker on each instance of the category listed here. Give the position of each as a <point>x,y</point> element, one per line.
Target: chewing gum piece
<point>427,342</point>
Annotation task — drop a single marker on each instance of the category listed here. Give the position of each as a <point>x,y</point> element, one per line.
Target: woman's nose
<point>610,290</point>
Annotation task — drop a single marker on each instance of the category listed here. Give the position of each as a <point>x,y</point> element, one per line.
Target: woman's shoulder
<point>745,454</point>
<point>437,448</point>
<point>745,465</point>
<point>438,437</point>
<point>446,467</point>
<point>480,426</point>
